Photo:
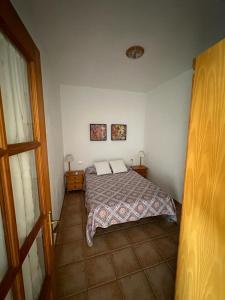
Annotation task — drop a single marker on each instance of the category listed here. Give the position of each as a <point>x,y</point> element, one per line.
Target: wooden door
<point>25,205</point>
<point>201,258</point>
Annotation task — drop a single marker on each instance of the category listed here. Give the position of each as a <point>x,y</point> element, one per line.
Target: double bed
<point>119,198</point>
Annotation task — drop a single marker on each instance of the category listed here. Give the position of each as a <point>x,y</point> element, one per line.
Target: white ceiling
<point>86,40</point>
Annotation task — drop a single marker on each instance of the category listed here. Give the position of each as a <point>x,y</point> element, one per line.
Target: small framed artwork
<point>98,132</point>
<point>118,132</point>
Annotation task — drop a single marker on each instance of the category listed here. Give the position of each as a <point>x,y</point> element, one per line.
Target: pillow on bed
<point>90,170</point>
<point>118,166</point>
<point>102,168</point>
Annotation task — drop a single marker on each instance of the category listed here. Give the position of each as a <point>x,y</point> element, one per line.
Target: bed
<point>119,198</point>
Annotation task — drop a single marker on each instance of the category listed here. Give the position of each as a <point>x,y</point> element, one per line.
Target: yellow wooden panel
<point>201,257</point>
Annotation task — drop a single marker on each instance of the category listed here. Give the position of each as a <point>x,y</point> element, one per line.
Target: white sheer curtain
<point>32,271</point>
<point>18,122</point>
<point>25,191</point>
<point>3,256</point>
<point>15,93</point>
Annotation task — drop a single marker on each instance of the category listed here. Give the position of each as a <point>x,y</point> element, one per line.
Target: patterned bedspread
<point>119,198</point>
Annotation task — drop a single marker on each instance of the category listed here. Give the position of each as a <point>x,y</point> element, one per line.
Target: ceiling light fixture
<point>135,52</point>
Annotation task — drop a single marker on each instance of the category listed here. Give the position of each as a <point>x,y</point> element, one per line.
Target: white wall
<point>156,122</point>
<point>167,117</point>
<point>54,137</point>
<point>82,106</point>
<point>52,111</point>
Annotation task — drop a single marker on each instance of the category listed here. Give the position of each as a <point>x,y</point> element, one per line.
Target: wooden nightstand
<point>74,180</point>
<point>142,170</point>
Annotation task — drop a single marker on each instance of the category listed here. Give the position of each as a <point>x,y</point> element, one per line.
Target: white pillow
<point>118,166</point>
<point>102,168</point>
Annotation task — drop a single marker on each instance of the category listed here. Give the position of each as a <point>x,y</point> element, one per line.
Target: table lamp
<point>69,158</point>
<point>141,155</point>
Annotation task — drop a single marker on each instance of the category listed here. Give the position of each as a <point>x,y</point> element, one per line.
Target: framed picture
<point>98,132</point>
<point>118,132</point>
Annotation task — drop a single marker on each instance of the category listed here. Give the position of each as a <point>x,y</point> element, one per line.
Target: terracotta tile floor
<point>136,260</point>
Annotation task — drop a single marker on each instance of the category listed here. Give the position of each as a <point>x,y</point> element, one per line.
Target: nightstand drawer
<point>74,180</point>
<point>74,186</point>
<point>141,170</point>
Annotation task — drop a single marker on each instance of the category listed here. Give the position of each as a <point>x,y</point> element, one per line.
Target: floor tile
<point>99,231</point>
<point>71,211</point>
<point>147,254</point>
<point>167,225</point>
<point>72,208</point>
<point>153,229</point>
<point>99,246</point>
<point>162,281</point>
<point>68,221</point>
<point>178,211</point>
<point>136,286</point>
<point>114,227</point>
<point>172,263</point>
<point>72,199</point>
<point>117,239</point>
<point>70,234</point>
<point>82,296</point>
<point>100,270</point>
<point>110,291</point>
<point>145,220</point>
<point>86,273</point>
<point>175,237</point>
<point>69,253</point>
<point>84,217</point>
<point>130,224</point>
<point>125,261</point>
<point>136,234</point>
<point>166,247</point>
<point>71,279</point>
<point>155,219</point>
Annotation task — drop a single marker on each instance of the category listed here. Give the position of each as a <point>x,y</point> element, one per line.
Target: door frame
<point>13,28</point>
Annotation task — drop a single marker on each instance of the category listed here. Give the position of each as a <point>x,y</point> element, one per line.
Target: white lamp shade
<point>69,158</point>
<point>141,154</point>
